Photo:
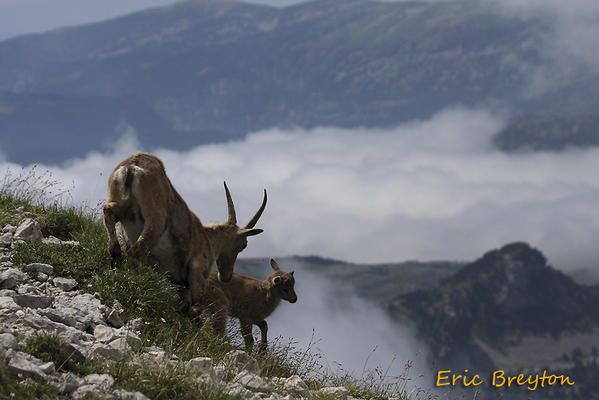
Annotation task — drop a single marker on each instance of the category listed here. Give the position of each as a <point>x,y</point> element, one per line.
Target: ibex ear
<point>276,280</point>
<point>249,232</point>
<point>291,273</point>
<point>274,265</point>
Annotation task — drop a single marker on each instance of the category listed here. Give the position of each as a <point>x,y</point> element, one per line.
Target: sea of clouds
<point>431,189</point>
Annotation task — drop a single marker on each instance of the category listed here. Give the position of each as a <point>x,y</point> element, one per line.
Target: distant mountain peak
<point>506,294</point>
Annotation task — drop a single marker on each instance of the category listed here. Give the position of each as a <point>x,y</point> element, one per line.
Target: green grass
<point>48,347</point>
<point>15,388</point>
<point>144,293</point>
<point>164,382</point>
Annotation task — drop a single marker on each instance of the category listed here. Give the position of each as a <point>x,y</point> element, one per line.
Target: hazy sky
<point>25,16</point>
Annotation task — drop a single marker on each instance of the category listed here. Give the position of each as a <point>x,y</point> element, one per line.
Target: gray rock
<point>337,392</point>
<point>64,316</point>
<point>9,229</point>
<point>39,267</point>
<point>48,368</point>
<point>7,292</point>
<point>19,364</point>
<point>101,381</point>
<point>56,241</point>
<point>7,303</point>
<point>220,372</point>
<point>87,392</point>
<point>70,383</point>
<point>33,301</point>
<point>238,360</point>
<point>11,278</point>
<point>29,229</point>
<point>8,341</point>
<point>120,345</point>
<point>135,325</point>
<point>41,277</point>
<point>124,395</point>
<point>237,390</point>
<point>4,258</point>
<point>295,386</point>
<point>104,334</point>
<point>65,284</point>
<point>113,315</point>
<point>133,340</point>
<point>26,288</point>
<point>251,382</point>
<point>202,365</point>
<point>6,240</point>
<point>103,351</point>
<point>82,311</point>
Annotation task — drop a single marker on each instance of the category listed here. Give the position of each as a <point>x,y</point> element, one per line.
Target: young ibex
<point>157,223</point>
<point>250,300</point>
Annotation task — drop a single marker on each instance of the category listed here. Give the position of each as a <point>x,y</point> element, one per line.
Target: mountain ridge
<point>217,71</point>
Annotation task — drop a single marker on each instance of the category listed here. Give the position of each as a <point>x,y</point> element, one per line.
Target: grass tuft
<point>165,382</point>
<point>50,348</point>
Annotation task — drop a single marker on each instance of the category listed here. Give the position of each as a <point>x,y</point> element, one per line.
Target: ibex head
<point>283,283</point>
<point>232,239</point>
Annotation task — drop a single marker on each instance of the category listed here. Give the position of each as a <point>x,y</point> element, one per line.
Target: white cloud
<point>350,334</point>
<point>434,189</point>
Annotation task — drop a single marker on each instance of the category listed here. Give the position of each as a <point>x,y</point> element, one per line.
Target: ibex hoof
<point>116,257</point>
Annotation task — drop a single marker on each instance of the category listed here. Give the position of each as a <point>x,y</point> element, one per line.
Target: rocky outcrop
<point>92,330</point>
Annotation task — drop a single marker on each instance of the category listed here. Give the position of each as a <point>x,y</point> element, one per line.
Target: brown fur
<point>158,224</point>
<point>250,300</point>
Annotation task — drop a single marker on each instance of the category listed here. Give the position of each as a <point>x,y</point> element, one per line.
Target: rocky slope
<point>36,305</point>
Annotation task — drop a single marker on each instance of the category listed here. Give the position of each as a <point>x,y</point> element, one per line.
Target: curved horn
<point>230,206</point>
<point>256,217</point>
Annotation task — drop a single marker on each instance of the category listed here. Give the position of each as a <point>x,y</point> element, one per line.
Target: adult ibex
<point>157,223</point>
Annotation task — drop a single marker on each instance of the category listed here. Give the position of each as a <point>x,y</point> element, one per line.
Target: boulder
<point>70,382</point>
<point>251,381</point>
<point>65,284</point>
<point>8,341</point>
<point>9,229</point>
<point>104,334</point>
<point>19,364</point>
<point>101,381</point>
<point>296,387</point>
<point>103,351</point>
<point>202,365</point>
<point>39,267</point>
<point>238,360</point>
<point>10,278</point>
<point>337,392</point>
<point>8,304</point>
<point>33,301</point>
<point>29,229</point>
<point>113,315</point>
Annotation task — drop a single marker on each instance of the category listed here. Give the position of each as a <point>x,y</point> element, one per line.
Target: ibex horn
<point>230,206</point>
<point>256,217</point>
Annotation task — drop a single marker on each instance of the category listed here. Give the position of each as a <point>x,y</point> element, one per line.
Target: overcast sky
<point>25,16</point>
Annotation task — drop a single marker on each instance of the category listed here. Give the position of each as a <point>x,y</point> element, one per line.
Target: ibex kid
<point>250,300</point>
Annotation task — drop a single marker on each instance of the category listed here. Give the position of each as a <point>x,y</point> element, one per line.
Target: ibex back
<point>157,223</point>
